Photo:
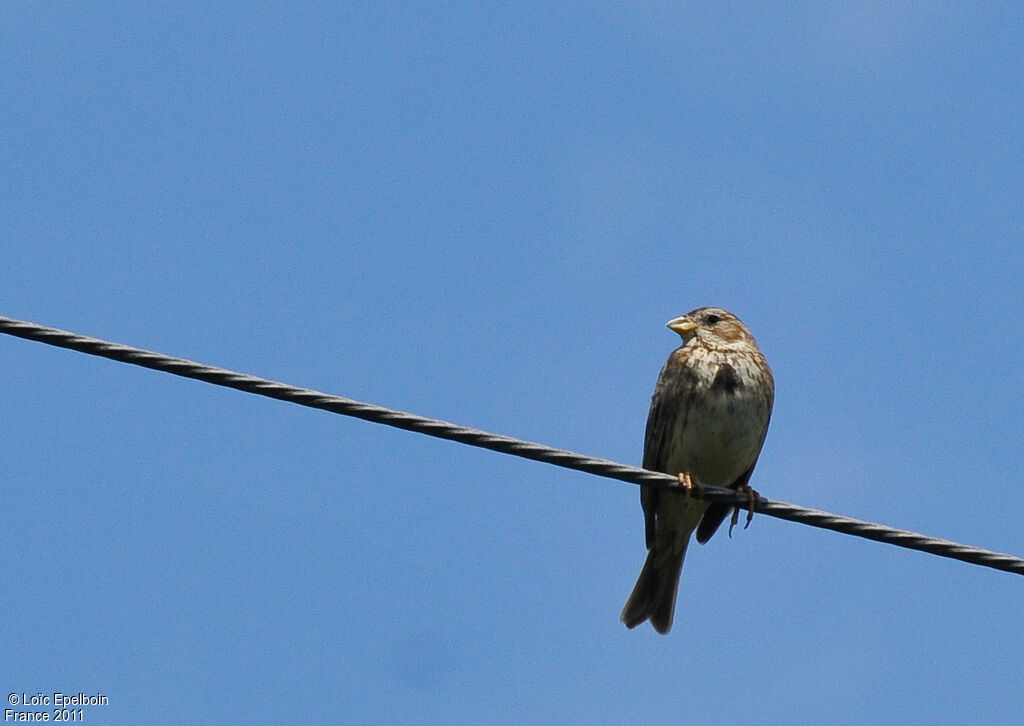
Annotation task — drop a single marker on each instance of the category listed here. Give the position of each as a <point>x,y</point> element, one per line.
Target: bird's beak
<point>682,325</point>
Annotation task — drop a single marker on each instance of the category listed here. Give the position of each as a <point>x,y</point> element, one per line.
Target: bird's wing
<point>666,408</point>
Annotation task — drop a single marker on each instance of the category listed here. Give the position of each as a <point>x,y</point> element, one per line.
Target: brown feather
<point>708,418</point>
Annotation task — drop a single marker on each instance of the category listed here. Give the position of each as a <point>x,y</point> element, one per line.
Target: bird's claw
<point>686,482</point>
<point>752,499</point>
<point>690,486</point>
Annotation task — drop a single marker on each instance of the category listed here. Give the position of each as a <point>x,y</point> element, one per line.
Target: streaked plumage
<point>709,416</point>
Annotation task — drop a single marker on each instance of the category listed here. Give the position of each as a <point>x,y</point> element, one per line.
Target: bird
<point>708,420</point>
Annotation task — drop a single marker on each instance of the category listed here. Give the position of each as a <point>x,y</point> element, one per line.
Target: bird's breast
<point>726,417</point>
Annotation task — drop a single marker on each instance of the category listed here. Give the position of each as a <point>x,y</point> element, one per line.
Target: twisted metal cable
<point>503,444</point>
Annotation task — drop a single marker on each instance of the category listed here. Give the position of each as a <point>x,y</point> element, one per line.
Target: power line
<point>503,444</point>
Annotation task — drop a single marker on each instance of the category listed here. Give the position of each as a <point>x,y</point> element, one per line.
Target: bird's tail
<point>654,595</point>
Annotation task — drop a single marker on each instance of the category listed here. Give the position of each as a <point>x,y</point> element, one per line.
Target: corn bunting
<point>708,419</point>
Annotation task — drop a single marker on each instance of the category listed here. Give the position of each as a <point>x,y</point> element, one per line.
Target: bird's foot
<point>752,498</point>
<point>686,482</point>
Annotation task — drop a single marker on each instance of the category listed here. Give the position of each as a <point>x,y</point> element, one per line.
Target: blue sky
<point>486,213</point>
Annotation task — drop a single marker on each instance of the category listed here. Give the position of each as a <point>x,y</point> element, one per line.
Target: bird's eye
<point>712,319</point>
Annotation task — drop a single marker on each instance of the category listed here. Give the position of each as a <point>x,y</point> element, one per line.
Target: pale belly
<point>722,438</point>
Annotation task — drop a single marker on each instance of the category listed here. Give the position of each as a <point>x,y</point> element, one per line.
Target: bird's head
<point>712,327</point>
